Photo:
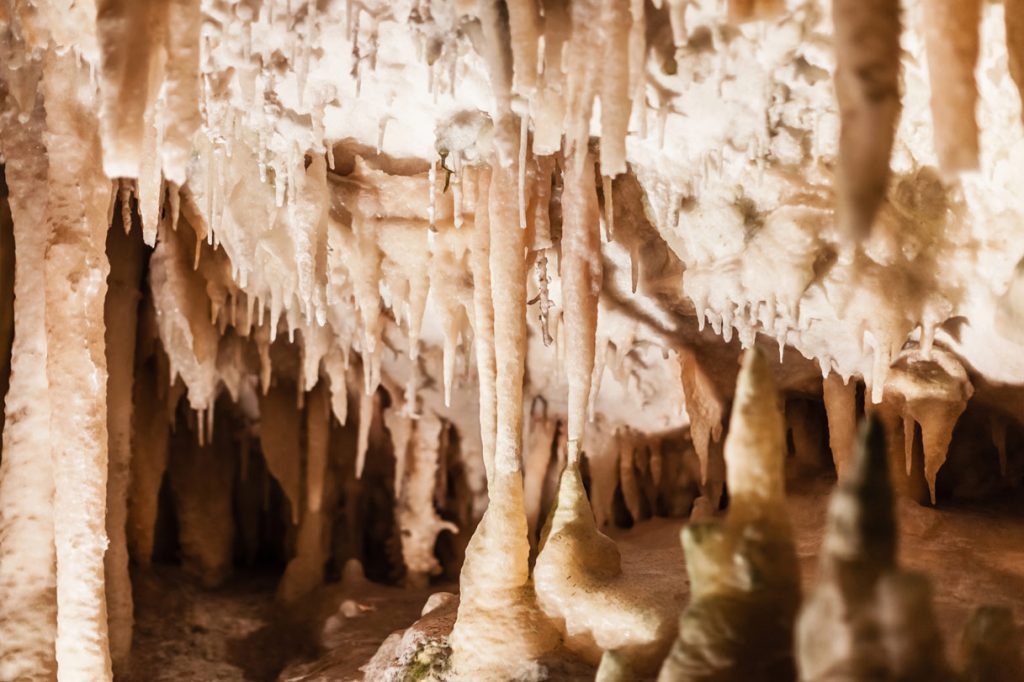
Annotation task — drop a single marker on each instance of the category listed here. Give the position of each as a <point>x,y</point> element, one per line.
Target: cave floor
<point>974,555</point>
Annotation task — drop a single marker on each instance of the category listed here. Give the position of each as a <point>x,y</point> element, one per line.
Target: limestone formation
<point>867,618</point>
<point>290,286</point>
<point>744,577</point>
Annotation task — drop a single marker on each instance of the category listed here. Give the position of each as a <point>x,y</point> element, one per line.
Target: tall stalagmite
<point>744,576</point>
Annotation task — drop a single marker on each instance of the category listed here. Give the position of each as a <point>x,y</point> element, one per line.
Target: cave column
<point>28,605</point>
<point>76,272</point>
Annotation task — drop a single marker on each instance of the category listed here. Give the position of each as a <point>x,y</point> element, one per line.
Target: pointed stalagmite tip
<point>755,448</point>
<point>861,518</point>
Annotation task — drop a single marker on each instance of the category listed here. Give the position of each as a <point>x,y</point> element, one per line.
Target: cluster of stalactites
<point>867,87</point>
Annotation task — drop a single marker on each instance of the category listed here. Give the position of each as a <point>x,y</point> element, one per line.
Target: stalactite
<point>951,31</point>
<point>308,231</point>
<point>524,32</point>
<point>483,320</point>
<point>932,391</point>
<point>495,47</point>
<point>368,406</point>
<point>150,433</point>
<point>603,463</point>
<point>129,35</point>
<point>28,605</point>
<point>120,318</point>
<point>616,96</point>
<point>747,10</point>
<point>631,494</point>
<point>318,424</point>
<point>841,410</point>
<point>581,288</point>
<point>335,366</point>
<point>583,66</point>
<point>75,271</point>
<point>280,439</point>
<point>867,90</point>
<point>508,297</point>
<point>180,119</point>
<point>614,668</point>
<point>704,408</point>
<point>548,108</point>
<point>744,575</point>
<point>183,319</point>
<point>1013,11</point>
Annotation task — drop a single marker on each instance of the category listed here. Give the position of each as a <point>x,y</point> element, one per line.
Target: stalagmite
<point>867,618</point>
<point>28,604</point>
<point>201,480</point>
<point>991,646</point>
<point>744,576</point>
<point>951,31</point>
<point>841,409</point>
<point>75,271</point>
<point>417,518</point>
<point>580,585</point>
<point>120,317</point>
<point>150,434</point>
<point>867,75</point>
<point>539,444</point>
<point>304,572</point>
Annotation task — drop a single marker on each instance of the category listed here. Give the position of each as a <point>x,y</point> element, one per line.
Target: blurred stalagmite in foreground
<point>867,619</point>
<point>744,576</point>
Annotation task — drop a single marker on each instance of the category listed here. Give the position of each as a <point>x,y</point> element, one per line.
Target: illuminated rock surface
<point>305,300</point>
